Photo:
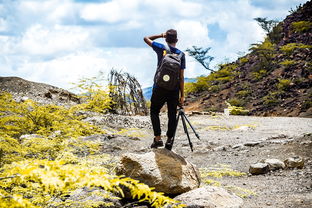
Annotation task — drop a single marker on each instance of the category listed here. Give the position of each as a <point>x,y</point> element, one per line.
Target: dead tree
<point>127,94</point>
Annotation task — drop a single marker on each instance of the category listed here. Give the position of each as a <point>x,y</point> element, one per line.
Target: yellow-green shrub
<point>287,62</point>
<point>243,60</point>
<point>283,84</point>
<point>235,110</point>
<point>213,81</point>
<point>271,98</point>
<point>259,74</point>
<point>42,183</point>
<point>290,47</point>
<point>29,117</point>
<point>243,93</point>
<point>96,97</point>
<point>301,26</point>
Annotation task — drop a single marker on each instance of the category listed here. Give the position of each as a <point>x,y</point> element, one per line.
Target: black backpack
<point>168,72</point>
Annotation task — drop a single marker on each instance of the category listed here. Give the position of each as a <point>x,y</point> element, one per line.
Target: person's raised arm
<point>149,39</point>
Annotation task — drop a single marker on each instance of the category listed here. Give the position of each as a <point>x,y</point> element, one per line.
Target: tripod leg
<point>185,130</point>
<point>184,116</point>
<point>176,126</point>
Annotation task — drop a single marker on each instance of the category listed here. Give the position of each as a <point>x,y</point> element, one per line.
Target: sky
<point>58,42</point>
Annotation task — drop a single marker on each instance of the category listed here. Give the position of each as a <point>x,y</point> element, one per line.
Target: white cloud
<point>60,41</point>
<point>111,12</point>
<point>40,40</point>
<point>192,33</point>
<point>3,25</point>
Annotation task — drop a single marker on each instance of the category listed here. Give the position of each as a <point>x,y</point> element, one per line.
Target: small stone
<point>239,147</point>
<point>274,164</point>
<point>259,168</point>
<point>251,144</point>
<point>294,162</point>
<point>221,148</point>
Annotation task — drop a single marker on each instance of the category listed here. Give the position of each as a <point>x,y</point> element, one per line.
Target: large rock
<point>210,197</point>
<point>162,169</point>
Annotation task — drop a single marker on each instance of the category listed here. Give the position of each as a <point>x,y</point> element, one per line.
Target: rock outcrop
<point>22,90</point>
<point>162,169</point>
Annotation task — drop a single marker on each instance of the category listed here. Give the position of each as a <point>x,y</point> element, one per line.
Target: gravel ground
<point>239,141</point>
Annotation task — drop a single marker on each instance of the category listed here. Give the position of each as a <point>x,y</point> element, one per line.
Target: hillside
<point>40,92</point>
<point>273,79</point>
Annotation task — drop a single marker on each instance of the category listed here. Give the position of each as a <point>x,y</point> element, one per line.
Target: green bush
<point>271,99</point>
<point>290,47</point>
<point>276,34</point>
<point>259,74</point>
<point>265,52</point>
<point>243,93</point>
<point>243,60</point>
<point>214,80</point>
<point>301,26</point>
<point>283,84</point>
<point>214,88</point>
<point>287,62</point>
<point>236,102</point>
<point>236,110</point>
<point>32,118</point>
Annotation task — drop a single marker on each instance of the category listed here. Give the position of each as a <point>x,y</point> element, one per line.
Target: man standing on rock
<point>168,82</point>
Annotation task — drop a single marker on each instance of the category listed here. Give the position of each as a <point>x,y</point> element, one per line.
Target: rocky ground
<point>236,141</point>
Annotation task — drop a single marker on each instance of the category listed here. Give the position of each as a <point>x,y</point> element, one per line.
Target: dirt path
<point>239,141</point>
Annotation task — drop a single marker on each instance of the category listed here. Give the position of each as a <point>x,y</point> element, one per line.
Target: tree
<point>267,25</point>
<point>200,54</point>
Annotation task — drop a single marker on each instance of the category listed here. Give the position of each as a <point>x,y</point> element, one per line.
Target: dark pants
<point>159,98</point>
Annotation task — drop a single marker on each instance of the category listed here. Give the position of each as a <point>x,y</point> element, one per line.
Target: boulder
<point>259,168</point>
<point>274,164</point>
<point>162,169</point>
<point>210,196</point>
<point>294,162</point>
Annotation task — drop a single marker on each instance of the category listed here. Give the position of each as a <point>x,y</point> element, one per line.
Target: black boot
<point>156,144</point>
<point>169,143</point>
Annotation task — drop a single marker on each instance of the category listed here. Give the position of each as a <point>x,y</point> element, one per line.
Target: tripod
<point>184,118</point>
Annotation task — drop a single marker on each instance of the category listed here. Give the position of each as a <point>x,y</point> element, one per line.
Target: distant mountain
<point>147,92</point>
<point>274,79</point>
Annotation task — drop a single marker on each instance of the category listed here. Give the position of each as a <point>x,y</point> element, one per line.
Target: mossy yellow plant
<point>208,176</point>
<point>38,183</point>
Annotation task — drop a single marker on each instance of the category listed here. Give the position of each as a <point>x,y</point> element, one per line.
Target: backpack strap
<point>167,48</point>
<point>180,55</point>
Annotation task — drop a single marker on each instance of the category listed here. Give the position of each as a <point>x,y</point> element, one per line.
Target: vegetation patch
<point>131,132</point>
<point>53,159</point>
<point>290,47</point>
<point>258,75</point>
<point>243,93</point>
<point>301,26</point>
<point>214,81</point>
<point>283,84</point>
<point>29,117</point>
<point>243,60</point>
<point>42,183</point>
<point>287,62</point>
<point>209,176</point>
<point>271,99</point>
<point>236,110</point>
